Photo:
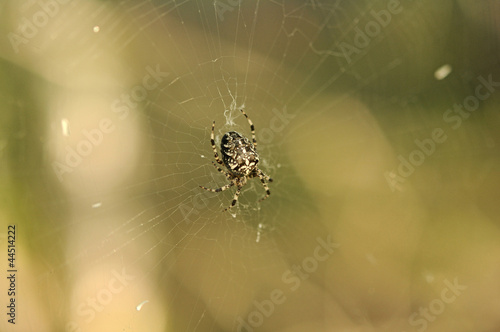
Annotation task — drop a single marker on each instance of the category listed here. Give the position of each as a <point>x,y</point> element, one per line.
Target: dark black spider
<point>240,157</point>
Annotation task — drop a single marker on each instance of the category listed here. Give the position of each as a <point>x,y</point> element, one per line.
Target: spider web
<point>129,242</point>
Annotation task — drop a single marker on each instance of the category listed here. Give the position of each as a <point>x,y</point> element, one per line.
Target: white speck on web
<point>442,72</point>
<point>429,277</point>
<point>259,231</point>
<point>139,307</point>
<point>65,127</point>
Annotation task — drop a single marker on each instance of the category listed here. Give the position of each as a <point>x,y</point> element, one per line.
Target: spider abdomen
<point>238,153</point>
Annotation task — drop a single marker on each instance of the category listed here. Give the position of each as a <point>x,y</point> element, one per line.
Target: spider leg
<point>221,170</point>
<point>227,186</point>
<point>267,177</point>
<point>252,128</point>
<point>212,141</point>
<point>262,177</point>
<point>235,199</point>
<point>260,174</point>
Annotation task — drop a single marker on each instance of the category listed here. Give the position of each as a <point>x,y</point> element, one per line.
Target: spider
<point>240,158</point>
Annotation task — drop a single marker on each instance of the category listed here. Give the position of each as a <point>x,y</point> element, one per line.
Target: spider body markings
<point>240,158</point>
